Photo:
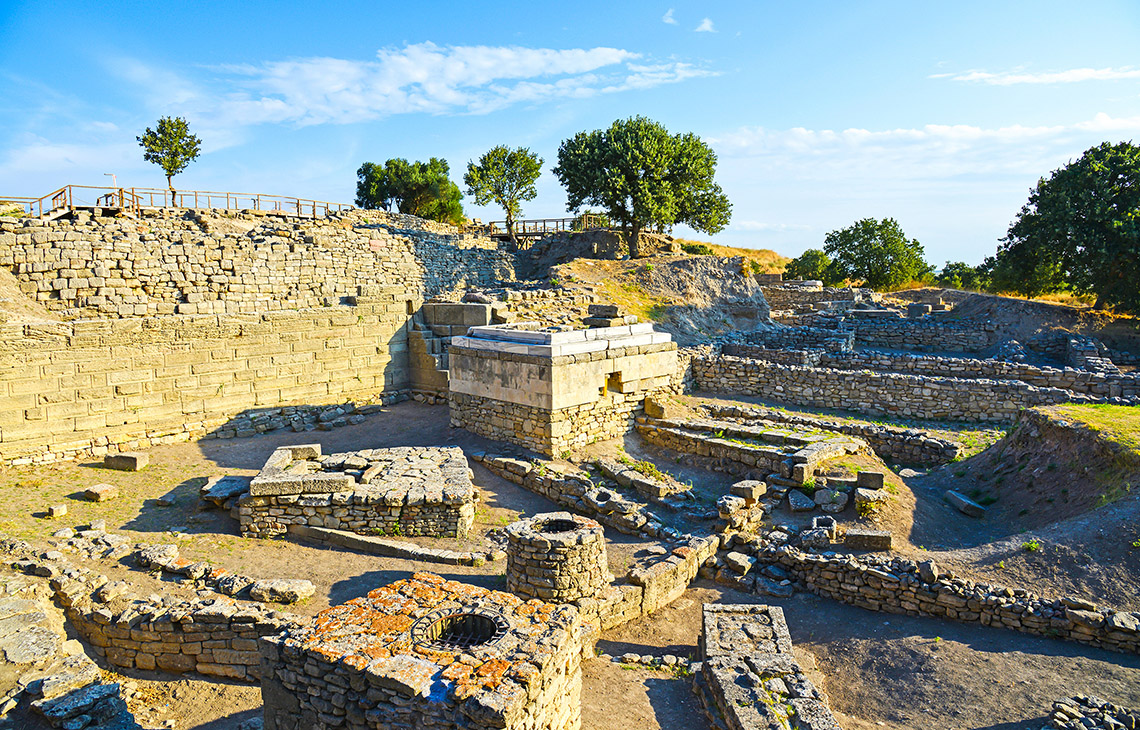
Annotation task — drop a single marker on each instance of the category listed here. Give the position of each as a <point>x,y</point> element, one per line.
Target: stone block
<point>963,504</point>
<point>126,461</point>
<point>56,511</point>
<point>858,539</point>
<point>869,479</point>
<point>101,493</point>
<point>750,489</point>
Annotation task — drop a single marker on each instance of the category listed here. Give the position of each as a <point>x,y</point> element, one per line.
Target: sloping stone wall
<point>96,386</point>
<point>188,263</point>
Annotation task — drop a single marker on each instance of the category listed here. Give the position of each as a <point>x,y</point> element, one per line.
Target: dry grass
<point>768,261</point>
<point>1115,423</point>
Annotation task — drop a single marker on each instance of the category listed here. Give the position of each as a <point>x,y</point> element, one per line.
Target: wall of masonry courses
<point>1078,381</point>
<point>893,394</point>
<point>901,445</point>
<point>926,335</point>
<point>807,358</point>
<point>799,338</point>
<point>216,637</point>
<point>95,386</point>
<point>359,665</point>
<point>895,585</point>
<point>792,296</point>
<point>197,264</point>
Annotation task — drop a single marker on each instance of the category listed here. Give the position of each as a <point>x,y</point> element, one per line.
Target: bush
<point>697,249</point>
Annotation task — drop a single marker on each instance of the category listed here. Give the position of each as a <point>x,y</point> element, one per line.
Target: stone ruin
<point>556,391</point>
<point>557,556</point>
<point>399,491</point>
<point>427,652</point>
<point>749,677</point>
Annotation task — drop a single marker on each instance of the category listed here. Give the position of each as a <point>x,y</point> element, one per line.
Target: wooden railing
<point>539,227</point>
<point>70,197</point>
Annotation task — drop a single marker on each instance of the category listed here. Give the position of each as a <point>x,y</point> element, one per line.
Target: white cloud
<point>668,17</point>
<point>706,26</point>
<point>434,79</point>
<point>1075,75</point>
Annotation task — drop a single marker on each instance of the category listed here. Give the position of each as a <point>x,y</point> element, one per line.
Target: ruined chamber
<point>427,652</point>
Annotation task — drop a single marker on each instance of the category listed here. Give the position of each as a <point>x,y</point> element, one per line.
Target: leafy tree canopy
<point>1080,230</point>
<point>505,177</point>
<point>642,176</point>
<point>170,146</point>
<point>811,264</point>
<point>421,189</point>
<point>960,275</point>
<point>877,253</point>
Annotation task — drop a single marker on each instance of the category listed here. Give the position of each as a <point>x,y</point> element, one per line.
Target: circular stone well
<point>556,556</point>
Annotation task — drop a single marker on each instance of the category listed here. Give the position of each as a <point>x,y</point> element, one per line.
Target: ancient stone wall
<point>799,338</point>
<point>91,387</point>
<point>556,556</point>
<point>199,264</point>
<point>1078,381</point>
<point>789,295</point>
<point>897,395</point>
<point>216,637</point>
<point>899,585</point>
<point>924,335</point>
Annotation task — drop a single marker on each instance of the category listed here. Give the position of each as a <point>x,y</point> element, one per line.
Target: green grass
<point>1120,424</point>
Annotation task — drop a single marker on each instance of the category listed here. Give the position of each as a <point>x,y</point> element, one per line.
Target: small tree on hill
<point>811,264</point>
<point>505,177</point>
<point>877,253</point>
<point>1080,230</point>
<point>421,189</point>
<point>170,146</point>
<point>642,176</point>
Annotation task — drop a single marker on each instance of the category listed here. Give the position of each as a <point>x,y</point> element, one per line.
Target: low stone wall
<point>1099,384</point>
<point>800,338</point>
<point>898,585</point>
<point>897,395</point>
<point>216,637</point>
<point>791,296</point>
<point>810,358</point>
<point>400,491</point>
<point>390,660</point>
<point>924,335</point>
<point>903,445</point>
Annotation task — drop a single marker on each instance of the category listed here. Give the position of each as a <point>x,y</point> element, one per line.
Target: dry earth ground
<point>880,670</point>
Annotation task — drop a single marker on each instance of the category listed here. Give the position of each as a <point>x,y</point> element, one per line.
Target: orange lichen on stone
<point>456,672</point>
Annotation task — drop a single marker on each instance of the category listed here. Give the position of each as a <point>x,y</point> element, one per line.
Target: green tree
<point>811,264</point>
<point>170,146</point>
<point>960,275</point>
<point>642,176</point>
<point>1079,230</point>
<point>877,253</point>
<point>505,177</point>
<point>421,189</point>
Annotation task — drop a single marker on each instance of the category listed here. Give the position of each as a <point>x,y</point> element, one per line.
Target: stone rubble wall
<point>273,516</point>
<point>91,387</point>
<point>924,335</point>
<point>902,445</point>
<point>806,358</point>
<point>793,296</point>
<point>800,338</point>
<point>1099,384</point>
<point>897,585</point>
<point>216,637</point>
<point>214,264</point>
<point>893,394</point>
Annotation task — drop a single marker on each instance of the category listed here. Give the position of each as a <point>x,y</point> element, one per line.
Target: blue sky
<point>939,115</point>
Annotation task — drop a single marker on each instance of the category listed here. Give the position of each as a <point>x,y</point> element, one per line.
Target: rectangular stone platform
<point>749,676</point>
<point>400,491</point>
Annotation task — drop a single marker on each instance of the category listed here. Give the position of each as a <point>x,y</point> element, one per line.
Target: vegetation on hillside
<point>643,177</point>
<point>421,189</point>
<point>1120,424</point>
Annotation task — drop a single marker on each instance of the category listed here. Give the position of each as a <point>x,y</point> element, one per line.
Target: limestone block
<point>126,461</point>
<point>101,493</point>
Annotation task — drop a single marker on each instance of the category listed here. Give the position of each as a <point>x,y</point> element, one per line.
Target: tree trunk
<point>511,231</point>
<point>170,184</point>
<point>634,240</point>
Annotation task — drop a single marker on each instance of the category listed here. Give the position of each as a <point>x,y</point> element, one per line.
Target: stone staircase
<point>433,326</point>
